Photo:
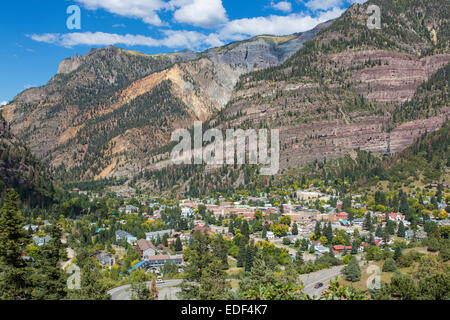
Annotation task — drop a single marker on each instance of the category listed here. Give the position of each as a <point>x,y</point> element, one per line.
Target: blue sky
<point>35,36</point>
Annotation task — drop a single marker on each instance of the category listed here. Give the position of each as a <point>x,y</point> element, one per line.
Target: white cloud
<point>172,39</point>
<point>275,25</point>
<point>315,5</point>
<point>146,10</point>
<point>200,13</point>
<point>3,103</point>
<point>284,6</point>
<point>205,13</point>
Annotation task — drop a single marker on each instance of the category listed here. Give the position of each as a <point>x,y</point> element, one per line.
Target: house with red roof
<point>395,216</point>
<point>341,249</point>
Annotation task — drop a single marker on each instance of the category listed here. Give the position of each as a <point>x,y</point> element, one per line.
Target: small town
<point>318,234</point>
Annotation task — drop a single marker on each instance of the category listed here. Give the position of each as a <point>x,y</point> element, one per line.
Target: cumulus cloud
<point>275,25</point>
<point>3,103</point>
<point>284,6</point>
<point>146,10</point>
<point>172,39</point>
<point>200,13</point>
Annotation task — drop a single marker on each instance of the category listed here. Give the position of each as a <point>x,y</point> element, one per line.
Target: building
<point>120,235</point>
<point>187,212</point>
<point>320,250</point>
<point>154,235</point>
<point>40,241</point>
<point>145,248</point>
<point>270,235</point>
<point>394,216</point>
<point>105,259</point>
<point>341,249</point>
<point>156,262</point>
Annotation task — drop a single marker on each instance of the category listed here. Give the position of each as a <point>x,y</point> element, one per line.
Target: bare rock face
<point>103,89</point>
<point>111,112</point>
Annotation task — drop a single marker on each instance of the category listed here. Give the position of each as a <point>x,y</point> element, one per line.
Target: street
<point>167,290</point>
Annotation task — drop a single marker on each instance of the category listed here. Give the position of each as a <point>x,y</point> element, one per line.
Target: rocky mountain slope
<point>337,88</point>
<point>352,87</point>
<point>20,170</point>
<point>108,112</point>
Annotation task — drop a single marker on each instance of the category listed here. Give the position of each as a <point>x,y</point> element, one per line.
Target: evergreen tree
<point>328,233</point>
<point>241,255</point>
<point>299,261</point>
<point>305,244</point>
<point>397,253</point>
<point>15,281</point>
<point>91,286</point>
<point>245,230</point>
<point>401,230</point>
<point>49,279</point>
<point>178,245</point>
<point>139,287</point>
<point>249,258</point>
<point>352,271</point>
<point>213,283</point>
<point>354,248</point>
<point>317,230</point>
<point>295,229</point>
<point>264,233</point>
<point>379,231</point>
<point>367,224</point>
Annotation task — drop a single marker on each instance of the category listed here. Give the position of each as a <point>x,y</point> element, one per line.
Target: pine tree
<point>250,254</point>
<point>317,230</point>
<point>139,287</point>
<point>367,225</point>
<point>91,286</point>
<point>401,230</point>
<point>379,231</point>
<point>305,245</point>
<point>178,245</point>
<point>397,253</point>
<point>49,279</point>
<point>299,261</point>
<point>354,248</point>
<point>15,281</point>
<point>264,233</point>
<point>329,232</point>
<point>352,271</point>
<point>295,229</point>
<point>241,255</point>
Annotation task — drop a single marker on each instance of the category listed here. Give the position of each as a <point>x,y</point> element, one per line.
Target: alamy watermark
<point>374,20</point>
<point>74,20</point>
<point>74,280</point>
<point>220,151</point>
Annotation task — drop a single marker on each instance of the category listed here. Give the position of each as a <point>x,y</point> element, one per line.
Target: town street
<point>167,290</point>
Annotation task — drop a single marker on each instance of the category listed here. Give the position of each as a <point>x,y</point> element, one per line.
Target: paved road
<point>324,276</point>
<point>167,290</point>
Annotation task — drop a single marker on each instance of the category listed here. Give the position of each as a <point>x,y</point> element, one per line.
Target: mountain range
<point>332,90</point>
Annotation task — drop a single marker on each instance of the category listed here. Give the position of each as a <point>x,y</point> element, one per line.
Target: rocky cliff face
<point>112,109</point>
<point>334,89</point>
<point>21,171</point>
